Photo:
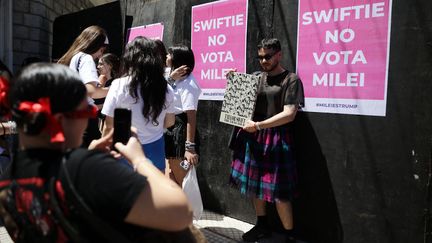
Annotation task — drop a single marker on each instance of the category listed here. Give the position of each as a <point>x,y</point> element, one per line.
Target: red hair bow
<point>4,89</point>
<point>43,106</point>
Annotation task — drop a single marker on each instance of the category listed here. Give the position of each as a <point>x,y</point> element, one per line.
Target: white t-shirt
<point>86,69</point>
<point>186,94</point>
<point>119,97</point>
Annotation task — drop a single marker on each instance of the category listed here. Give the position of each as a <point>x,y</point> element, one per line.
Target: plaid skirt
<point>263,164</point>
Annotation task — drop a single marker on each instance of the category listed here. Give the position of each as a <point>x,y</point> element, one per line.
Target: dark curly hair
<point>162,50</point>
<point>271,43</point>
<point>143,63</point>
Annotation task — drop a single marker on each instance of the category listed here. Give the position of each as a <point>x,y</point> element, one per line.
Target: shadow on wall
<point>316,216</point>
<point>211,201</point>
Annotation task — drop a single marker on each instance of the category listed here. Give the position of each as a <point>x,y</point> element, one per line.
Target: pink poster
<point>342,55</point>
<point>151,31</point>
<point>219,44</point>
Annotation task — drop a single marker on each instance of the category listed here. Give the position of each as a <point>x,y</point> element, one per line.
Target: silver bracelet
<point>12,127</point>
<point>189,143</point>
<point>190,146</point>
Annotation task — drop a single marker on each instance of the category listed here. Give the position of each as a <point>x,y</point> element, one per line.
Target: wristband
<point>192,150</point>
<point>172,83</point>
<point>4,129</point>
<point>12,127</point>
<point>257,126</point>
<point>190,146</point>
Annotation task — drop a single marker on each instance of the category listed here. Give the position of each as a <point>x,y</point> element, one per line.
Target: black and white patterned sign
<point>239,100</point>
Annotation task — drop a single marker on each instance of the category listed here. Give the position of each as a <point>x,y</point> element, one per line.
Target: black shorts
<point>175,138</point>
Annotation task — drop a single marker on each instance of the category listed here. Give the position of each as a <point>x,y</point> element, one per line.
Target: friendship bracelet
<point>4,129</point>
<point>170,80</point>
<point>190,149</point>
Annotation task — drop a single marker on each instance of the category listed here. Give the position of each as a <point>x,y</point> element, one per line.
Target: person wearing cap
<point>88,47</point>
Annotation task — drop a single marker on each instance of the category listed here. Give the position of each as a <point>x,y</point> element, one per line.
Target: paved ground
<point>217,229</point>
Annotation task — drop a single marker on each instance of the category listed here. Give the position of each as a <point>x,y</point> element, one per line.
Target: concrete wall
<point>33,25</point>
<point>363,179</point>
<point>175,15</point>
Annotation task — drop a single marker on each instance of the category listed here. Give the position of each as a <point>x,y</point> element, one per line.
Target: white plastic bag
<point>191,189</point>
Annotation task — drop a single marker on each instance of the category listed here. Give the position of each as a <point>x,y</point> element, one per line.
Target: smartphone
<point>122,125</point>
<point>185,164</point>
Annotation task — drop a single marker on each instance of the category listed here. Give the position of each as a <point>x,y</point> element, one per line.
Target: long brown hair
<point>89,41</point>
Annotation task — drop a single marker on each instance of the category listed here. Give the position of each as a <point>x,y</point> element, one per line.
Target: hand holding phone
<point>122,125</point>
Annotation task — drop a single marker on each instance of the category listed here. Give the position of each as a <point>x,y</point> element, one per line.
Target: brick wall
<point>33,25</point>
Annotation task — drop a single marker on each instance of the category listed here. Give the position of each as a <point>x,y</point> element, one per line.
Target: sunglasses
<point>266,56</point>
<point>90,111</point>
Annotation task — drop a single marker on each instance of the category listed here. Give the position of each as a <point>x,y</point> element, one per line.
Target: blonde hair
<point>89,41</point>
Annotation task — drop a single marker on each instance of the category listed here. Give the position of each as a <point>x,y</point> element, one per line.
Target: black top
<point>276,91</point>
<point>108,187</point>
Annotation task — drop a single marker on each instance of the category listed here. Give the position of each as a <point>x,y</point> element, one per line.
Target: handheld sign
<point>239,99</point>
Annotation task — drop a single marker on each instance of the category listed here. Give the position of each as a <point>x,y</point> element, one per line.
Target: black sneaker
<point>256,233</point>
